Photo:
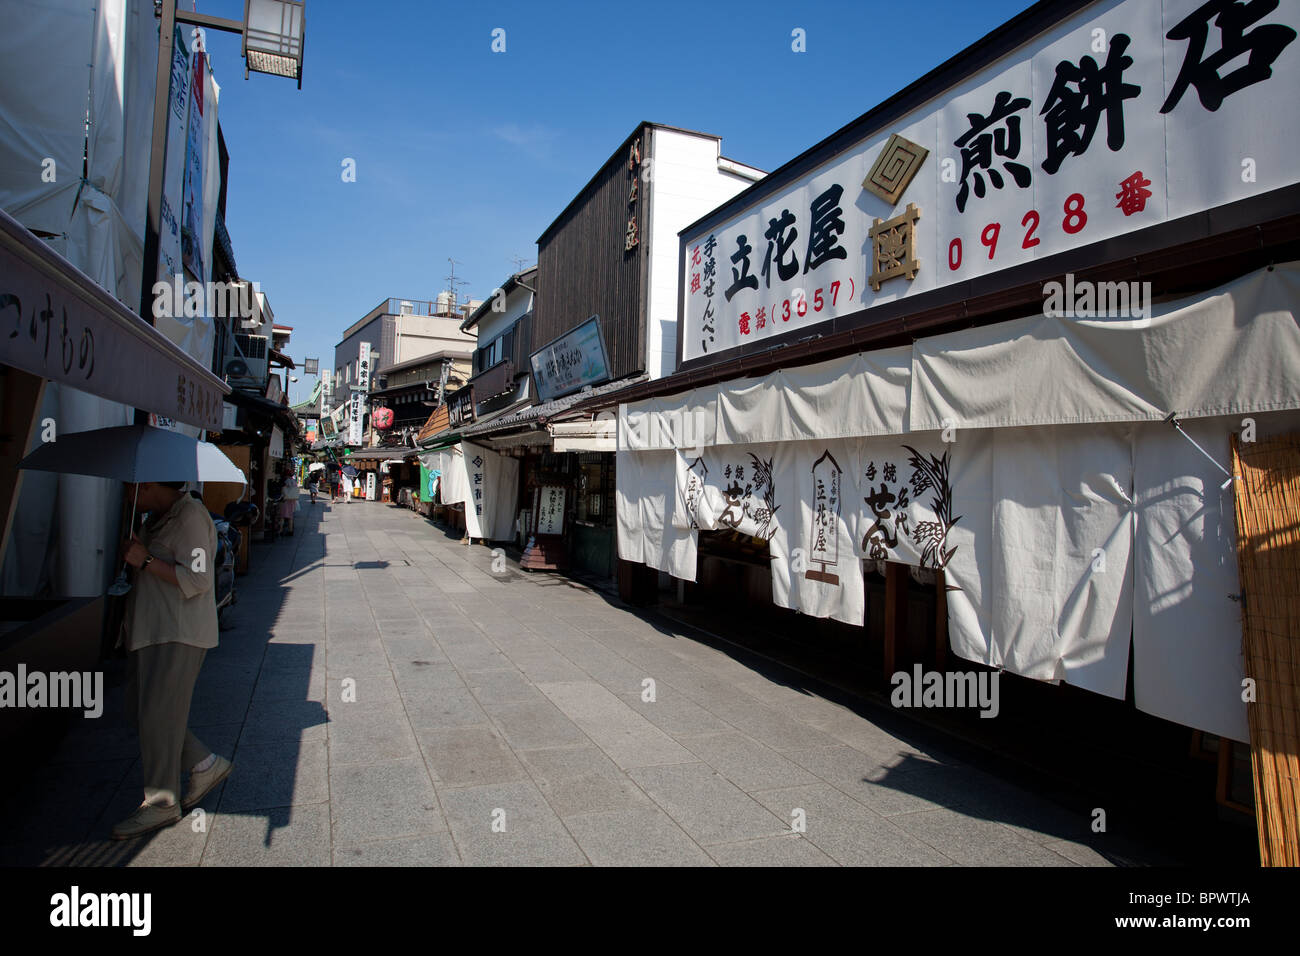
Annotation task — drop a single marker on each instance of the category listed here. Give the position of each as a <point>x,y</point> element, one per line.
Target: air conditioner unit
<point>252,350</point>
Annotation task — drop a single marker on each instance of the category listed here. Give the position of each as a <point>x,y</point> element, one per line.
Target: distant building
<point>399,330</point>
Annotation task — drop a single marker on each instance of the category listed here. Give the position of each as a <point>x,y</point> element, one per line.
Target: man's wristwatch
<point>146,562</point>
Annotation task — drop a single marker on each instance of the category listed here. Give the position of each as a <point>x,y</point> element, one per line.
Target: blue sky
<point>465,153</point>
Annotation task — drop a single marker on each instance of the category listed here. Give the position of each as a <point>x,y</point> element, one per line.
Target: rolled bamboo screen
<point>1268,557</point>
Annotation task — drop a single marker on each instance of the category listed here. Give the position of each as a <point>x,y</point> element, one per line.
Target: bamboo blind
<point>1268,556</point>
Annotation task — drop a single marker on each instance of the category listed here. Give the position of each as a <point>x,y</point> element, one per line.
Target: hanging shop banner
<point>1125,116</point>
<point>363,367</point>
<point>356,409</point>
<point>370,486</point>
<point>196,141</point>
<point>572,361</point>
<point>178,112</point>
<point>485,482</point>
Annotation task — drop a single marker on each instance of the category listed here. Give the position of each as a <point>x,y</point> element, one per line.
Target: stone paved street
<point>512,699</point>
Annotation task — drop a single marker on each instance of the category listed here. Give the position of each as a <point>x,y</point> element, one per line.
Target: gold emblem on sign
<point>895,168</point>
<point>893,247</point>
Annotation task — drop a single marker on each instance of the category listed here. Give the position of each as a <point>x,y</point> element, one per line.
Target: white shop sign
<point>363,367</point>
<point>550,509</point>
<point>1127,115</point>
<point>356,409</point>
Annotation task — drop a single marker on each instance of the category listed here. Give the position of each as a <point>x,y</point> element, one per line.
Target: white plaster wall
<point>423,334</point>
<point>687,183</point>
<point>492,324</point>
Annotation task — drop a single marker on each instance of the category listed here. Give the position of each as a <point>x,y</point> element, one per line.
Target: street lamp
<point>272,32</point>
<point>273,38</point>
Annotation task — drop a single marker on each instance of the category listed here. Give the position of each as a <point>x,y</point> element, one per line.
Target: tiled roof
<point>529,415</point>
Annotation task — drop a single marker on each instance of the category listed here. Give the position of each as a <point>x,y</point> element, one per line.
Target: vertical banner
<point>178,107</point>
<point>196,141</point>
<point>363,367</point>
<point>354,417</point>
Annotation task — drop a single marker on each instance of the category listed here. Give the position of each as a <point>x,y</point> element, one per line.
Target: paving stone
<point>546,666</point>
<point>290,683</point>
<point>415,648</point>
<point>289,836</point>
<point>362,660</point>
<point>777,730</point>
<point>581,780</point>
<point>383,801</point>
<point>276,773</point>
<point>533,835</point>
<point>64,800</point>
<point>441,708</point>
<point>426,672</point>
<point>504,686</point>
<point>529,726</point>
<point>366,741</point>
<point>365,695</point>
<point>630,739</point>
<point>706,805</point>
<point>790,850</point>
<point>746,762</point>
<point>848,832</point>
<point>210,706</point>
<point>437,849</point>
<point>477,656</point>
<point>1078,853</point>
<point>469,756</point>
<point>673,713</point>
<point>904,784</point>
<point>973,841</point>
<point>283,720</point>
<point>635,837</point>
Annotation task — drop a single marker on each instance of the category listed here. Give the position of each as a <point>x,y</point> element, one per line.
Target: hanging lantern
<point>382,418</point>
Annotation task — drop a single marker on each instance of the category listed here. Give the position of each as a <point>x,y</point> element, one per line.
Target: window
<point>508,343</point>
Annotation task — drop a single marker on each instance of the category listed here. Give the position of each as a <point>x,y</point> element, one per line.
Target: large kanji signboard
<point>1129,114</point>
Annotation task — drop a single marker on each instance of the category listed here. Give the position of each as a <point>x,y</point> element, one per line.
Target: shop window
<point>595,492</point>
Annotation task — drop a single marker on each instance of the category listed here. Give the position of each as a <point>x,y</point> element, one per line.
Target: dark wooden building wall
<point>583,268</point>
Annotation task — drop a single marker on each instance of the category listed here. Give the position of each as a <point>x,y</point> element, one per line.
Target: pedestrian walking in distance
<point>289,504</point>
<point>171,624</point>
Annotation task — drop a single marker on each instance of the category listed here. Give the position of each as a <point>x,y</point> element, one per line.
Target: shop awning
<point>264,406</point>
<point>382,454</point>
<point>59,324</point>
<point>1231,350</point>
<point>595,435</point>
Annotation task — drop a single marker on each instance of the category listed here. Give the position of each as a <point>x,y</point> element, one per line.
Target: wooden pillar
<point>895,614</point>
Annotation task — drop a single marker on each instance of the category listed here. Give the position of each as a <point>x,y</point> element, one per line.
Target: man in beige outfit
<point>171,620</point>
